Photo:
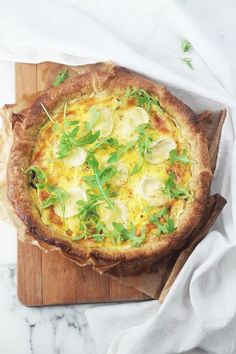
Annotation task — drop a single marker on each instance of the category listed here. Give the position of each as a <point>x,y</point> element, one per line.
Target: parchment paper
<point>156,283</point>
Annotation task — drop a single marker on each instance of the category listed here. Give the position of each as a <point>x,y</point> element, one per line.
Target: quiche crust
<point>26,126</point>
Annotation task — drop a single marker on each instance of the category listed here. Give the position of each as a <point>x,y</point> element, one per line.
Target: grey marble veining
<point>45,330</point>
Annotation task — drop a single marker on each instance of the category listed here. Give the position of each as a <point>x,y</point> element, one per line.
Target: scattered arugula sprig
<point>38,179</point>
<point>163,222</point>
<point>172,190</point>
<point>183,158</point>
<point>185,45</point>
<point>57,195</point>
<point>106,142</point>
<point>143,145</point>
<point>120,233</point>
<point>68,139</point>
<point>144,99</point>
<point>188,62</point>
<point>88,214</point>
<point>99,180</point>
<point>60,78</point>
<point>115,156</point>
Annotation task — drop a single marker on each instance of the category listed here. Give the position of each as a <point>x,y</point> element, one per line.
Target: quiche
<point>111,168</point>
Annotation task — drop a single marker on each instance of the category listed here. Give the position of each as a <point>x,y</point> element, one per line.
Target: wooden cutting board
<point>49,278</point>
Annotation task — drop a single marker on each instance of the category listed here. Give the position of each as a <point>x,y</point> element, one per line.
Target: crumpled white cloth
<point>199,313</point>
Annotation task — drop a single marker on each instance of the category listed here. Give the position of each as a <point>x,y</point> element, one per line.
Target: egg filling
<point>111,170</point>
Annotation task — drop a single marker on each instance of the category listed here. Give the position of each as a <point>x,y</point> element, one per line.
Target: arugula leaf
<point>69,123</point>
<point>115,156</point>
<point>101,232</point>
<point>60,78</point>
<point>68,138</point>
<point>94,116</point>
<point>137,167</point>
<point>163,227</point>
<point>112,142</point>
<point>68,142</point>
<point>38,179</point>
<point>87,208</point>
<point>99,178</point>
<point>188,62</point>
<point>57,195</point>
<point>88,139</point>
<point>162,212</point>
<point>183,158</point>
<point>120,234</point>
<point>144,99</point>
<point>172,190</point>
<point>144,146</point>
<point>185,45</point>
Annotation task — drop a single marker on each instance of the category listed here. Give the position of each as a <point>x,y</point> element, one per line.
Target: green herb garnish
<point>143,145</point>
<point>68,139</point>
<point>100,179</point>
<point>144,99</point>
<point>106,142</point>
<point>60,78</point>
<point>115,156</point>
<point>120,234</point>
<point>162,221</point>
<point>38,179</point>
<point>67,143</point>
<point>185,45</point>
<point>188,62</point>
<point>183,158</point>
<point>57,195</point>
<point>172,190</point>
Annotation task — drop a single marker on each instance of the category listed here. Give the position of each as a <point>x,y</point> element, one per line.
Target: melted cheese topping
<point>135,195</point>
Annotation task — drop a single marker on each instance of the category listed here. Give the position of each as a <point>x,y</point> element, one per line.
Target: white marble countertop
<point>45,330</point>
<point>24,330</point>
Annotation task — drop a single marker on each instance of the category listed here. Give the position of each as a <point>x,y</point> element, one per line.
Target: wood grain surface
<point>49,278</point>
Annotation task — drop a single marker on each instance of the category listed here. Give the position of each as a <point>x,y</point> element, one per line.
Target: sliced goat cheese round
<point>108,215</point>
<point>149,188</point>
<point>160,150</point>
<point>104,123</point>
<point>71,207</point>
<point>76,158</point>
<point>122,175</point>
<point>130,120</point>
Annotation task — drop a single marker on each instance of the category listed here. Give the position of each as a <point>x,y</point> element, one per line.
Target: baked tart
<point>111,168</point>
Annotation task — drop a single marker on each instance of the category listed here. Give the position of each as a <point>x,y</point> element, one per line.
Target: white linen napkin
<point>199,313</point>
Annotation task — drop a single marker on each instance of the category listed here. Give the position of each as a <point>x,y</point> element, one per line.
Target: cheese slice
<point>71,207</point>
<point>108,216</point>
<point>76,158</point>
<point>160,150</point>
<point>130,120</point>
<point>149,188</point>
<point>104,123</point>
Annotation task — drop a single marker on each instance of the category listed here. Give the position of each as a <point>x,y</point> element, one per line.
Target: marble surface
<point>48,330</point>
